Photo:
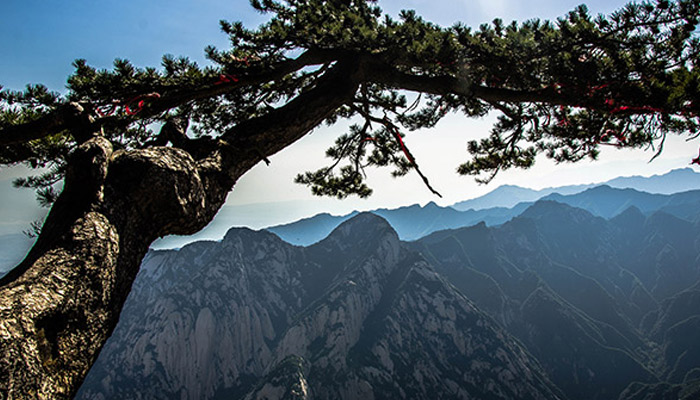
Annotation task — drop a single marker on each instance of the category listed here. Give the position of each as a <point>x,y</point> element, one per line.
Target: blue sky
<point>42,37</point>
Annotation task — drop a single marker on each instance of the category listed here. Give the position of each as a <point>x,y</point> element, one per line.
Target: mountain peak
<point>244,233</point>
<point>553,210</point>
<point>631,215</point>
<point>362,228</point>
<point>431,205</point>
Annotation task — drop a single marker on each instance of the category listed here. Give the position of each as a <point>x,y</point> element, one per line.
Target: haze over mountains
<point>506,202</point>
<point>592,295</point>
<point>413,222</point>
<point>679,180</point>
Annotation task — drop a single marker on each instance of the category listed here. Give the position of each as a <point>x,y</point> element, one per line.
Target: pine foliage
<point>562,88</point>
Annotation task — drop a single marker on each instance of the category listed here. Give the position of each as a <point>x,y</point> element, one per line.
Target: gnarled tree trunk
<point>61,304</point>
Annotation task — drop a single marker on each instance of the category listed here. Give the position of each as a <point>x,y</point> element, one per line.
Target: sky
<point>42,37</point>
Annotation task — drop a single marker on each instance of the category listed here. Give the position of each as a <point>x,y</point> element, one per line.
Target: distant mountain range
<point>494,208</point>
<point>607,202</point>
<point>410,222</point>
<point>678,180</point>
<point>414,222</point>
<point>556,303</point>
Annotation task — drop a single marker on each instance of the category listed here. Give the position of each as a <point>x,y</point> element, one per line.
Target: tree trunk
<point>59,306</point>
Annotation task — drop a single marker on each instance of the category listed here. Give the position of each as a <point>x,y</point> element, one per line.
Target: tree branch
<point>382,73</point>
<point>64,117</point>
<point>281,127</point>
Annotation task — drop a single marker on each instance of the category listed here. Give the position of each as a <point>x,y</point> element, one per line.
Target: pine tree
<point>562,88</point>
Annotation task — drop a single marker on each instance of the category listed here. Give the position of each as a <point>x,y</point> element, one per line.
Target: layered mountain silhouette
<point>411,222</point>
<point>675,181</point>
<point>414,222</point>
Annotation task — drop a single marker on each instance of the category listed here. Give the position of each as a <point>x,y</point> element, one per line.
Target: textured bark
<point>61,304</point>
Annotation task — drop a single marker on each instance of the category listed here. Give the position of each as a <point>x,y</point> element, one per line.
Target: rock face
<point>609,309</point>
<point>356,316</point>
<point>600,303</point>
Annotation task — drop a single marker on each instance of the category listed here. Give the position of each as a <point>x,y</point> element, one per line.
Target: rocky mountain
<point>358,315</point>
<point>555,303</point>
<point>600,303</point>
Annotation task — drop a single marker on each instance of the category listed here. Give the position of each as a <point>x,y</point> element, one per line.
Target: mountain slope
<point>575,289</point>
<point>356,316</point>
<point>560,315</point>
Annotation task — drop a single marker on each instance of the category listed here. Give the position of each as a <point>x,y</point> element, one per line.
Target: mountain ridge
<point>362,314</point>
<point>414,222</point>
<point>674,181</point>
<point>344,318</point>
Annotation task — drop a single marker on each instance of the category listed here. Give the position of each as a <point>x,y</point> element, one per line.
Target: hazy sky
<point>42,37</point>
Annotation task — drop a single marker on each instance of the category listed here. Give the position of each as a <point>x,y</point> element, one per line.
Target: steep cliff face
<point>356,316</point>
<point>200,319</point>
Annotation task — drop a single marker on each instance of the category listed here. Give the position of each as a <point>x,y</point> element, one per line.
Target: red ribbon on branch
<point>696,160</point>
<point>226,78</point>
<point>139,101</point>
<point>131,107</point>
<point>399,139</point>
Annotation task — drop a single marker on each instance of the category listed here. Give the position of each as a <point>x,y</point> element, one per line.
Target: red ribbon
<point>140,103</point>
<point>226,78</point>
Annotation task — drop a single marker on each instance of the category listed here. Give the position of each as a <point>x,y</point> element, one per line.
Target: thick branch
<point>271,73</point>
<point>442,85</point>
<point>281,127</point>
<point>65,117</point>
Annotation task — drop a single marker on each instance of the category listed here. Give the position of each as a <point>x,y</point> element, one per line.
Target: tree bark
<point>61,304</point>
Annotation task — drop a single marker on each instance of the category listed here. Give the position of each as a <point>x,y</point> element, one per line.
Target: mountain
<point>506,202</point>
<point>675,181</point>
<point>356,316</point>
<point>592,299</point>
<point>510,195</point>
<point>607,202</point>
<point>308,231</point>
<point>555,303</point>
<point>411,223</point>
<point>415,222</point>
